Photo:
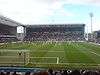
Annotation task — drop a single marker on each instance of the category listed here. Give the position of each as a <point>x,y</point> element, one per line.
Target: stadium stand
<point>55,32</point>
<point>7,33</point>
<point>35,71</point>
<point>8,30</point>
<point>96,36</point>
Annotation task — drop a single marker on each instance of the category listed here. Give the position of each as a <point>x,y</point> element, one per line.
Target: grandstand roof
<point>55,25</point>
<point>7,21</point>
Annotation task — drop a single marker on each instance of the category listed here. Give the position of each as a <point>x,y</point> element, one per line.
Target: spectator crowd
<point>5,37</point>
<point>54,72</point>
<point>57,36</point>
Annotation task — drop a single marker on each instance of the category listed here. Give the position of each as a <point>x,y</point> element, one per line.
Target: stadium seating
<point>57,36</point>
<point>5,37</point>
<point>53,72</point>
<point>54,33</point>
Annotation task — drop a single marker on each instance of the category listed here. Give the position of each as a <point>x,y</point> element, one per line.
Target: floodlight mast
<point>91,18</point>
<point>87,34</point>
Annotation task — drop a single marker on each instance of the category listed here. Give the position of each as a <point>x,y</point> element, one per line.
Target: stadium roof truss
<point>56,25</point>
<point>7,21</point>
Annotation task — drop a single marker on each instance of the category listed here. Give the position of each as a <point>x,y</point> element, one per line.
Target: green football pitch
<point>51,54</point>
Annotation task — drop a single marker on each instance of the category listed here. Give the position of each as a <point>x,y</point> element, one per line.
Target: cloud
<point>37,11</point>
<point>87,2</point>
<point>83,2</point>
<point>23,10</point>
<point>32,11</point>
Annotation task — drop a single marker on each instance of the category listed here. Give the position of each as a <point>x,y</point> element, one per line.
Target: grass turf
<point>70,54</point>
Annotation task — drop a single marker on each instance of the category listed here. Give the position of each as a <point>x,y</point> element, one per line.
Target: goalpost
<point>22,58</point>
<point>14,57</point>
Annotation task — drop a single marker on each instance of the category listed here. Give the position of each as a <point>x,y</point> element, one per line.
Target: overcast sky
<point>52,11</point>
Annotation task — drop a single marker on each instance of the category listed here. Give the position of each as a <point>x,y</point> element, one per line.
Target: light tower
<point>91,16</point>
<point>91,19</point>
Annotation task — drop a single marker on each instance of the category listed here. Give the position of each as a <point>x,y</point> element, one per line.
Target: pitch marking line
<point>45,57</point>
<point>10,62</point>
<point>83,64</point>
<point>57,58</point>
<point>48,51</point>
<point>11,56</point>
<point>7,50</point>
<point>95,53</point>
<point>27,51</point>
<point>94,43</point>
